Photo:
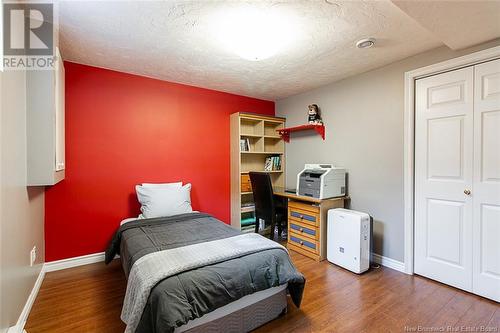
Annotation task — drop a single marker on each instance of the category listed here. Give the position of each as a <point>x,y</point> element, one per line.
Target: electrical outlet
<point>32,255</point>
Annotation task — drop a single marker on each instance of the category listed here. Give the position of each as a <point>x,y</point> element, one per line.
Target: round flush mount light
<point>365,43</point>
<point>253,32</point>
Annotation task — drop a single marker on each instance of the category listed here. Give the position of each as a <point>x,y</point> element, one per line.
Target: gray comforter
<point>191,294</point>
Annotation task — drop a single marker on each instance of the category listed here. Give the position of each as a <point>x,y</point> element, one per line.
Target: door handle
<point>467,192</point>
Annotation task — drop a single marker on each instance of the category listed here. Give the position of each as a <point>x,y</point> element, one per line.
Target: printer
<point>321,181</point>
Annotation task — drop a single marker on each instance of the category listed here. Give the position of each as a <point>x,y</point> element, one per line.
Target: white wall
<point>363,116</point>
<point>22,208</point>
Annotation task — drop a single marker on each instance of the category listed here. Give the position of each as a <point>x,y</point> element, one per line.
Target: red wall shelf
<point>285,132</point>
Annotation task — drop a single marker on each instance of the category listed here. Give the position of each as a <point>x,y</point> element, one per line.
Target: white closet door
<point>486,189</point>
<point>443,177</point>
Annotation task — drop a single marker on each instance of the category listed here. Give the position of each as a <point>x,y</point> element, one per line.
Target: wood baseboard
<point>388,262</point>
<point>57,265</point>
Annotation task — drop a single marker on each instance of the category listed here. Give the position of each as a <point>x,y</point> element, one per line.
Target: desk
<point>307,222</point>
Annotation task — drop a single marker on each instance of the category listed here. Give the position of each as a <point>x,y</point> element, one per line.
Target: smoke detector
<point>365,43</point>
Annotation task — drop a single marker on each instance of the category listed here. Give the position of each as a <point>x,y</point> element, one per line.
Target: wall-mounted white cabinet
<point>45,124</point>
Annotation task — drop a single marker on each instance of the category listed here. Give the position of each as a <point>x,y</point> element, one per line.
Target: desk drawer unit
<point>303,216</point>
<point>304,206</point>
<point>304,243</point>
<point>304,229</point>
<point>307,226</point>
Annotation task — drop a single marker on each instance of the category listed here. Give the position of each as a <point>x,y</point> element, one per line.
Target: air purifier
<point>348,239</point>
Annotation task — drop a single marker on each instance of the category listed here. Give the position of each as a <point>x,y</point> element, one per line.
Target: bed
<point>193,273</point>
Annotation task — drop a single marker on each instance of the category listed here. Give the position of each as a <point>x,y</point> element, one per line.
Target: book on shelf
<point>248,229</point>
<point>248,221</point>
<point>248,207</point>
<point>267,164</point>
<point>273,163</point>
<point>245,144</point>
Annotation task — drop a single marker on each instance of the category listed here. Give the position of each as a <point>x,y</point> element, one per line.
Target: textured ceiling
<point>172,41</point>
<point>460,24</point>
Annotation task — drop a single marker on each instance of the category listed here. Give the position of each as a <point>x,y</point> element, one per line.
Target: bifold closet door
<point>444,176</point>
<point>486,187</point>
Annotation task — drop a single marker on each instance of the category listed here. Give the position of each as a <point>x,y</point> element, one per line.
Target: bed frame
<point>243,315</point>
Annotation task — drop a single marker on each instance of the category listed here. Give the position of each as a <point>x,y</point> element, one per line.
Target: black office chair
<point>267,206</point>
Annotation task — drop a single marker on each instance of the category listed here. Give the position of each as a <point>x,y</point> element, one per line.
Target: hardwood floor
<point>89,299</point>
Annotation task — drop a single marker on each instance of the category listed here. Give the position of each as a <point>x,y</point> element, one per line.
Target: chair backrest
<point>263,195</point>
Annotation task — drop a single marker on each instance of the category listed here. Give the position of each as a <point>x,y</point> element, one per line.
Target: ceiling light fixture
<point>254,33</point>
<point>365,43</point>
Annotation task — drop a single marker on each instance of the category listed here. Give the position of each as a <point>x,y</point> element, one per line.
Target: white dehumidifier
<point>348,239</point>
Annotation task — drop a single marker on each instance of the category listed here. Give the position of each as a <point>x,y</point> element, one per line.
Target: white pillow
<point>164,201</point>
<point>157,185</point>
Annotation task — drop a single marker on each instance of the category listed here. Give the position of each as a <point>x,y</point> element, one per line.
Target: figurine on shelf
<point>314,116</point>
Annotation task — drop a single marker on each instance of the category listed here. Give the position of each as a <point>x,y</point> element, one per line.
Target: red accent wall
<point>123,129</point>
